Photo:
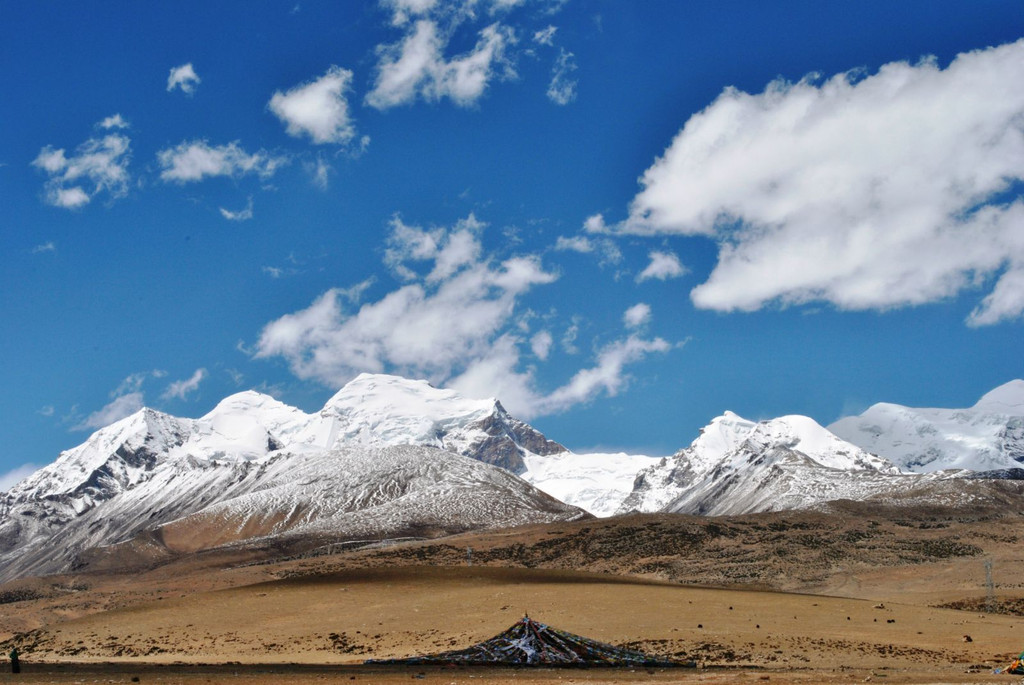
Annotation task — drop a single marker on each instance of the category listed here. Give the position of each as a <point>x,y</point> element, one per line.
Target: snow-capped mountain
<point>379,410</point>
<point>254,466</point>
<point>986,437</point>
<point>738,466</point>
<point>390,456</point>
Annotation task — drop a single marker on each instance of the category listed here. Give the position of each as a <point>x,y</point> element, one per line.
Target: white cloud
<point>99,165</point>
<point>404,10</point>
<point>608,250</point>
<point>562,89</point>
<point>496,374</point>
<point>638,315</point>
<point>607,376</point>
<point>868,191</point>
<point>1006,301</point>
<point>119,408</point>
<point>130,384</point>
<point>240,215</point>
<point>572,333</point>
<point>319,171</point>
<point>317,109</point>
<point>416,67</point>
<point>540,344</point>
<point>454,322</point>
<point>545,36</point>
<point>180,389</point>
<point>115,121</point>
<point>663,266</point>
<point>504,5</point>
<point>183,77</point>
<point>68,198</point>
<point>14,476</point>
<point>48,246</point>
<point>578,243</point>
<point>425,328</point>
<point>195,160</point>
<point>448,250</point>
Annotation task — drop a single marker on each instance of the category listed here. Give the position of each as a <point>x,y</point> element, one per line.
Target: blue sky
<point>619,218</point>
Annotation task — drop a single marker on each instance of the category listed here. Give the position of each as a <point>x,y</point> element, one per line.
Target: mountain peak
<point>247,400</point>
<point>393,408</point>
<point>385,391</point>
<point>1008,399</point>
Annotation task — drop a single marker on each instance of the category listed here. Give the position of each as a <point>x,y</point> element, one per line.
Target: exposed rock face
<point>380,410</point>
<point>505,439</point>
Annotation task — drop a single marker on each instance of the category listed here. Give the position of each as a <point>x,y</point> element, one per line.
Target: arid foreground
<point>793,598</point>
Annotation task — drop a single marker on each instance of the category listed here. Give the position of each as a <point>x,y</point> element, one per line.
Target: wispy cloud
<point>545,36</point>
<point>608,251</point>
<point>541,343</point>
<point>183,78</point>
<point>319,171</point>
<point>48,246</point>
<point>562,89</point>
<point>115,121</point>
<point>181,389</point>
<point>195,160</point>
<point>420,65</point>
<point>867,191</point>
<point>240,215</point>
<point>118,408</point>
<point>455,320</point>
<point>99,165</point>
<point>416,67</point>
<point>15,476</point>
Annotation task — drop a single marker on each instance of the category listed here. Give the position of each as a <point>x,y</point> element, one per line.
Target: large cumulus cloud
<point>868,191</point>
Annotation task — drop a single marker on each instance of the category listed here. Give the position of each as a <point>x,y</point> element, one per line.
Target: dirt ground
<point>838,599</point>
<point>321,629</point>
<point>289,675</point>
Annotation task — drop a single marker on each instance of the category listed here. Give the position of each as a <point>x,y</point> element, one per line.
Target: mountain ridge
<point>248,468</point>
<point>254,467</point>
<point>988,436</point>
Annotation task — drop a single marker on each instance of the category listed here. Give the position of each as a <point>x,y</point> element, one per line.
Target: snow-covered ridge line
<point>371,411</point>
<point>254,466</point>
<point>986,437</point>
<point>740,466</point>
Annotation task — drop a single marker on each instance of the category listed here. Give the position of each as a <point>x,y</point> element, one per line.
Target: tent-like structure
<point>1017,667</point>
<point>529,643</point>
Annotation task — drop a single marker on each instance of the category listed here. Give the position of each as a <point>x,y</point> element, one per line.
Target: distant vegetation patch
<point>1011,606</point>
<point>19,595</point>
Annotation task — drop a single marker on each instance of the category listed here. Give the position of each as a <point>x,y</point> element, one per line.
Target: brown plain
<point>856,594</point>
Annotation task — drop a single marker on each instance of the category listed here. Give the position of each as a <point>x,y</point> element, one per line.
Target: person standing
<point>15,664</point>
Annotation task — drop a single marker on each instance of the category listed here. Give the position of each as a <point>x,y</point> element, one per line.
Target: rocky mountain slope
<point>367,464</point>
<point>391,457</point>
<point>986,437</point>
<point>738,466</point>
